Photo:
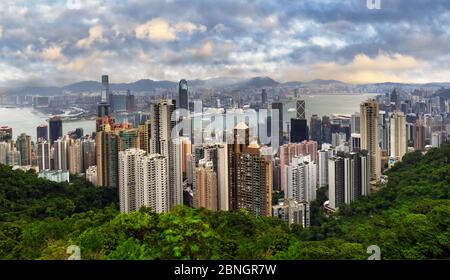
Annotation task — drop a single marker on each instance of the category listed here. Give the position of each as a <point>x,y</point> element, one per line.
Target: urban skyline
<point>226,130</point>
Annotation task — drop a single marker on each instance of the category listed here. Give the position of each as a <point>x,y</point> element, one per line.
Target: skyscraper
<point>60,154</point>
<point>399,142</point>
<point>278,106</point>
<point>161,142</point>
<point>323,156</point>
<point>104,106</point>
<point>263,96</point>
<point>5,147</point>
<point>88,153</point>
<point>205,186</point>
<point>348,178</point>
<point>55,129</point>
<point>23,145</point>
<point>369,136</point>
<point>289,151</point>
<point>419,136</point>
<point>299,130</point>
<point>326,130</point>
<point>75,157</point>
<point>42,132</point>
<point>107,150</point>
<point>316,129</point>
<point>44,156</point>
<point>301,179</point>
<point>300,109</point>
<point>142,181</point>
<point>250,175</point>
<point>183,95</point>
<point>355,123</point>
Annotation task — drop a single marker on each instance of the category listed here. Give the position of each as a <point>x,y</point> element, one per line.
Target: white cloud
<point>325,42</point>
<point>1,31</point>
<point>52,53</point>
<point>95,34</point>
<point>159,29</point>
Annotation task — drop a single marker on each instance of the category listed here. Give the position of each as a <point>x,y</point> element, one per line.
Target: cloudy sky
<point>51,42</point>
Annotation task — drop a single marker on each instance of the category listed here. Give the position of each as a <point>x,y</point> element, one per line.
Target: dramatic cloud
<point>56,42</point>
<point>160,30</point>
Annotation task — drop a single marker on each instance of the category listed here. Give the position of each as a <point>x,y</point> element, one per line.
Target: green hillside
<point>407,219</point>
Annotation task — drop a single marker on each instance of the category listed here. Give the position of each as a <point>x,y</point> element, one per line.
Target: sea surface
<point>26,119</point>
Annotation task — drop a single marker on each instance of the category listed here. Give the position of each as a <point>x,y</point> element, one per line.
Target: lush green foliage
<point>407,219</point>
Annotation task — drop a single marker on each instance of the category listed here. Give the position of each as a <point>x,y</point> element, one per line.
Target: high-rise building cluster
<point>159,162</point>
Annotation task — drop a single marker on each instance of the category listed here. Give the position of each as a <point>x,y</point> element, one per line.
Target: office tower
<point>55,129</point>
<point>107,150</point>
<point>355,142</point>
<point>326,129</point>
<point>142,181</point>
<point>419,136</point>
<point>289,151</point>
<point>91,175</point>
<point>130,102</point>
<point>183,95</point>
<point>88,153</point>
<point>292,212</point>
<point>60,154</point>
<point>75,157</point>
<point>299,130</point>
<point>5,133</point>
<point>5,147</point>
<point>13,157</point>
<point>369,136</point>
<point>105,88</point>
<point>44,155</point>
<point>104,106</point>
<point>355,123</point>
<point>264,97</point>
<point>395,99</point>
<point>117,102</point>
<point>300,109</point>
<point>323,155</point>
<point>23,145</point>
<point>348,178</point>
<point>278,106</point>
<point>316,129</point>
<point>42,132</point>
<point>161,142</point>
<point>205,186</point>
<point>301,179</point>
<point>398,143</point>
<point>250,175</point>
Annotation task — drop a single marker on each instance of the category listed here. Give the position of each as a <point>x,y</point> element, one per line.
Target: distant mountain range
<point>148,85</point>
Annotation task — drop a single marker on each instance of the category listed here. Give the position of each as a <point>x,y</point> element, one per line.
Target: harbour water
<point>26,119</point>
